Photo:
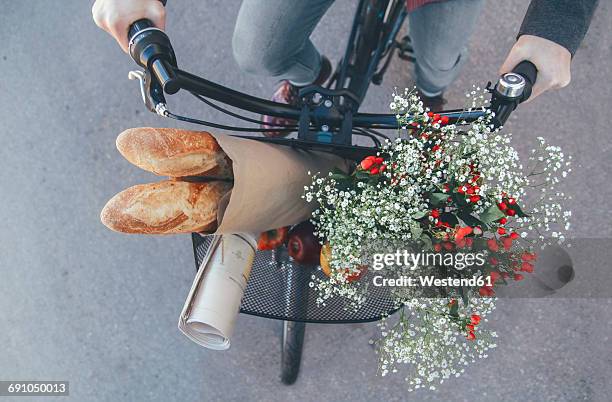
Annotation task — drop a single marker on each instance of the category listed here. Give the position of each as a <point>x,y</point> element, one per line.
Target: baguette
<point>167,207</point>
<point>174,152</point>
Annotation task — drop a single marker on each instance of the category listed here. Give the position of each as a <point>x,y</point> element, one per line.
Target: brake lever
<point>151,91</point>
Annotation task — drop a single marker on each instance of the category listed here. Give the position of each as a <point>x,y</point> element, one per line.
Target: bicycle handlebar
<point>150,48</point>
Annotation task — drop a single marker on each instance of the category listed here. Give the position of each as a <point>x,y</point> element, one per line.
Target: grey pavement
<point>81,303</point>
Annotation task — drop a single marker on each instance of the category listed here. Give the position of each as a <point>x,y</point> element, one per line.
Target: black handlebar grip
<point>139,26</point>
<point>151,49</point>
<point>529,71</point>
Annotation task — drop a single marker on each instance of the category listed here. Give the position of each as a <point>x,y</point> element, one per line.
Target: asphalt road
<point>81,303</point>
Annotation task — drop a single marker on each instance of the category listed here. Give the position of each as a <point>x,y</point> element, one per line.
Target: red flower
<point>368,162</point>
<point>462,232</point>
<point>474,319</point>
<point>492,244</point>
<point>435,148</point>
<point>471,336</point>
<point>528,256</point>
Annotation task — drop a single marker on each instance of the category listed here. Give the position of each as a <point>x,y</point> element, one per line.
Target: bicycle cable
<point>236,115</point>
<point>223,126</point>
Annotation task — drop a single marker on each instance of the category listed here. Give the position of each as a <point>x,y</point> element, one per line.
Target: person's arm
<point>116,16</point>
<point>550,34</point>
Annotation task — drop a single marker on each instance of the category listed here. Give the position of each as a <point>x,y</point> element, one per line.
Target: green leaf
<point>449,218</point>
<point>415,230</point>
<point>518,210</point>
<point>427,243</point>
<point>437,198</point>
<point>469,219</point>
<point>491,214</point>
<point>419,214</point>
<point>339,177</point>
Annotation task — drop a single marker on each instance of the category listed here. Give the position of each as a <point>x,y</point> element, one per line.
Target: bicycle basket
<point>280,290</point>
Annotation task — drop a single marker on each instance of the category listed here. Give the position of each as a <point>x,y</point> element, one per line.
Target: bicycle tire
<point>291,350</point>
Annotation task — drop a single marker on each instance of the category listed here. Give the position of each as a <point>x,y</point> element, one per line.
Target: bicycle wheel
<point>291,352</point>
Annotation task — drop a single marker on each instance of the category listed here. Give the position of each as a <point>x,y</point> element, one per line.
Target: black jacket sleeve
<point>562,21</point>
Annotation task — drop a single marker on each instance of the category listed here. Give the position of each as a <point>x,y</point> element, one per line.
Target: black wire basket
<point>280,289</point>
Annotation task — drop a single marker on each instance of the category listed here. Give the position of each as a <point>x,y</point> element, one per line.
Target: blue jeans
<point>272,38</point>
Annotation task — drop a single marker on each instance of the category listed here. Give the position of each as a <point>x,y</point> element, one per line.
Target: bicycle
<point>328,119</point>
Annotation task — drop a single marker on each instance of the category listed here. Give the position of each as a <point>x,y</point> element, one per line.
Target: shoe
<point>434,103</point>
<point>289,94</point>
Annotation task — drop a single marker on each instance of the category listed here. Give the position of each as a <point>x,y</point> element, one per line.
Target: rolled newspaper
<point>212,306</point>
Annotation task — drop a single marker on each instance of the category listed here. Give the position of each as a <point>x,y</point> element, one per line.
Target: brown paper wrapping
<point>269,183</point>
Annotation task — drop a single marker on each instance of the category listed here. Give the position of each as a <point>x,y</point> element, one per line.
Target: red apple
<point>303,245</point>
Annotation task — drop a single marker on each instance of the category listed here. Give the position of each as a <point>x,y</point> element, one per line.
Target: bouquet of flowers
<point>438,187</point>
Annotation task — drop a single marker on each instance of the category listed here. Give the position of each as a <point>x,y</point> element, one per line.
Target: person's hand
<point>551,59</point>
<point>116,16</point>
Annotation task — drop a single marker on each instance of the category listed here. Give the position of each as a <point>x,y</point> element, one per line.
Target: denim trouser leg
<point>440,33</point>
<point>271,38</point>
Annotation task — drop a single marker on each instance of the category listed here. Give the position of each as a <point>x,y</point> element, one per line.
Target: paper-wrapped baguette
<point>167,207</point>
<point>174,152</point>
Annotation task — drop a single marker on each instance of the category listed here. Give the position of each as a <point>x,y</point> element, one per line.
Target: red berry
<point>511,212</point>
<point>526,267</point>
<point>374,170</point>
<point>492,244</point>
<point>471,336</point>
<point>501,231</point>
<point>507,243</point>
<point>486,291</point>
<point>511,201</point>
<point>448,246</point>
<point>518,277</point>
<point>430,114</point>
<point>382,168</point>
<point>502,206</point>
<point>503,221</point>
<point>444,119</point>
<point>378,160</point>
<point>475,319</point>
<point>475,198</point>
<point>469,327</point>
<point>437,247</point>
<point>435,213</point>
<point>514,235</point>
